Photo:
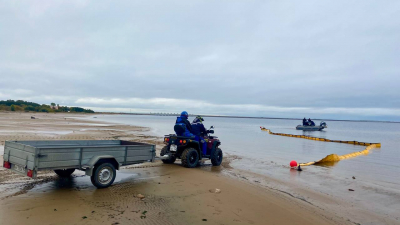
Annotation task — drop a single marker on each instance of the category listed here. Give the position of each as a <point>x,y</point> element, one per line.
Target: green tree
<point>76,109</point>
<point>88,111</point>
<point>12,108</point>
<point>29,108</point>
<point>64,109</point>
<point>18,108</point>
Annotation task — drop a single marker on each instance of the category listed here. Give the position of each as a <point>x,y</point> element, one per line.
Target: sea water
<point>377,183</point>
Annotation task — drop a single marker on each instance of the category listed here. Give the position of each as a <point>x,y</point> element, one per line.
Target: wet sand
<point>173,194</point>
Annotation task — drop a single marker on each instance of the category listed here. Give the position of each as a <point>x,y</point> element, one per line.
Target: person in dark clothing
<point>199,131</point>
<point>305,122</point>
<point>198,127</point>
<point>310,122</point>
<point>182,125</point>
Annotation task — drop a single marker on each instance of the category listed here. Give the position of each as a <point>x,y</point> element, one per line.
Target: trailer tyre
<point>64,173</point>
<point>171,159</point>
<point>190,158</point>
<point>216,159</point>
<point>103,175</point>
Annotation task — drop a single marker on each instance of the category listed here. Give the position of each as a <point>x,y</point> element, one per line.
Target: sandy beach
<point>173,194</point>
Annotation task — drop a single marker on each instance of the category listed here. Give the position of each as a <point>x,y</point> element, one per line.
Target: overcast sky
<point>329,59</point>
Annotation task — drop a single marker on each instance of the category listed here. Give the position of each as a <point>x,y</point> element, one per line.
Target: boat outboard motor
<point>323,124</point>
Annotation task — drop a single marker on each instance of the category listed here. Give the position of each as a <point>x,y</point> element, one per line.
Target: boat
<point>321,126</point>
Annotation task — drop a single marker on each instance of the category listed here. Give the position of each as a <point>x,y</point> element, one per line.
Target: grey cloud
<point>310,54</point>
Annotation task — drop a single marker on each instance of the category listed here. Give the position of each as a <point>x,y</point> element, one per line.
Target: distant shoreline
<point>218,116</point>
<point>247,117</point>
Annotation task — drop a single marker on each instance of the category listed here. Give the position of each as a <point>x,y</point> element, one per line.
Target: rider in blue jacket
<point>182,125</point>
<point>199,131</point>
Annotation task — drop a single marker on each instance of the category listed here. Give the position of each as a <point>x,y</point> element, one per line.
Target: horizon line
<point>250,117</point>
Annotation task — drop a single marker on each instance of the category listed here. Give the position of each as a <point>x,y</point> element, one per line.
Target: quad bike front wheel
<point>190,158</point>
<point>216,159</point>
<point>171,159</point>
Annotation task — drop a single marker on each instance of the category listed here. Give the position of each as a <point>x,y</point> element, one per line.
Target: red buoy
<point>293,163</point>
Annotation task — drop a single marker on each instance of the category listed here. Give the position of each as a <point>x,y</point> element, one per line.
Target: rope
<point>331,157</point>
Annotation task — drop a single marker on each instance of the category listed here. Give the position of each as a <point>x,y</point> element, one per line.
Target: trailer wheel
<point>103,175</point>
<point>64,173</point>
<point>190,158</point>
<point>216,159</point>
<point>171,159</point>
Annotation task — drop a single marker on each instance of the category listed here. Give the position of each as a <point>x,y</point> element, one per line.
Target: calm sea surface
<point>377,174</point>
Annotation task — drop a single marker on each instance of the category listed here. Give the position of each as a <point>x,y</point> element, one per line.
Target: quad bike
<point>189,150</point>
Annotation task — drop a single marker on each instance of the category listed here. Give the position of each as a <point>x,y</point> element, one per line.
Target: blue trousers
<point>185,134</point>
<point>202,143</point>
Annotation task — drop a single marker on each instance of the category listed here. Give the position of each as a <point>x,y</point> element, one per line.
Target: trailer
<point>99,159</point>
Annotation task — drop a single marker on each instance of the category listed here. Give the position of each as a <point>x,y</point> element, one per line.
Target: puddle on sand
<point>79,181</point>
<point>207,166</point>
<point>18,185</point>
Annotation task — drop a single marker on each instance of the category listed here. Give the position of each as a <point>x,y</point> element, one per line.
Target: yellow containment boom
<point>331,157</point>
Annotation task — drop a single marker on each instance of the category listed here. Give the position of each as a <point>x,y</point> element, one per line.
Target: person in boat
<point>310,122</point>
<point>199,131</point>
<point>305,122</point>
<point>182,125</point>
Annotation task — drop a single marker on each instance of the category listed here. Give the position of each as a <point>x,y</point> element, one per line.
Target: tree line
<point>20,105</point>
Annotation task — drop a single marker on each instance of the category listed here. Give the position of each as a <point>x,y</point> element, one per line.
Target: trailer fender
<point>93,161</point>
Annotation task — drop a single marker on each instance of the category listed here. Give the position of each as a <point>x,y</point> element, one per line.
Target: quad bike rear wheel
<point>171,159</point>
<point>190,158</point>
<point>216,159</point>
